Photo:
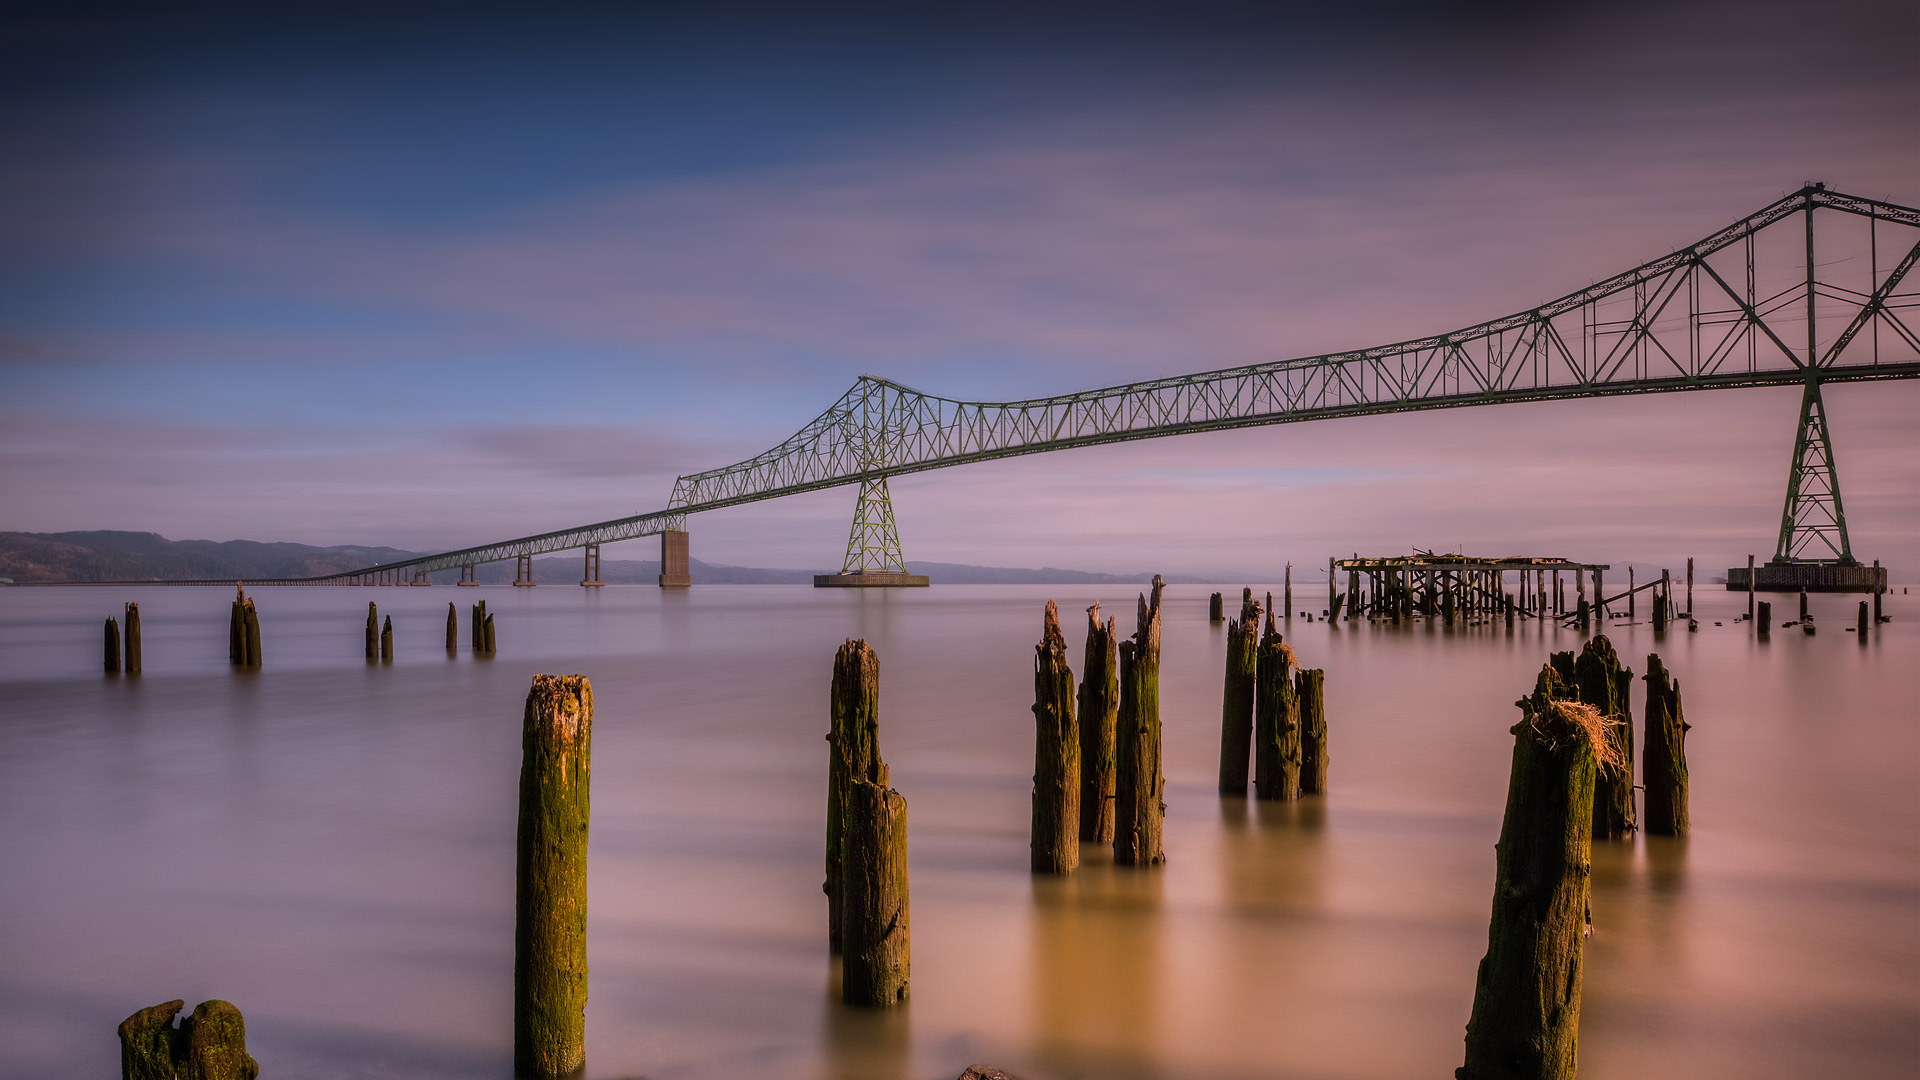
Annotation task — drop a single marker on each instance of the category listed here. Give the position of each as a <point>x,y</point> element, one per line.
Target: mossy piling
<point>210,1044</point>
<point>386,640</point>
<point>853,742</point>
<point>1276,737</point>
<point>550,900</point>
<point>1140,790</point>
<point>1310,696</point>
<point>1236,697</point>
<point>1056,755</point>
<point>1099,708</point>
<point>1597,678</point>
<point>1664,757</point>
<point>876,916</point>
<point>1216,608</point>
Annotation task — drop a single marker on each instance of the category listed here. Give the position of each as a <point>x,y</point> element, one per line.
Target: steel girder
<point>1717,314</point>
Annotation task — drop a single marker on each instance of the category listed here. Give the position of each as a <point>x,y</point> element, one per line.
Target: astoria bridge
<point>1807,291</point>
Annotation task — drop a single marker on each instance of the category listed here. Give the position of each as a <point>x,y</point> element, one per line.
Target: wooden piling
<point>210,1044</point>
<point>1596,678</point>
<point>1749,588</point>
<point>386,640</point>
<point>1803,602</point>
<point>373,631</point>
<point>1236,697</point>
<point>1056,755</point>
<point>486,626</point>
<point>1526,1005</point>
<point>1766,618</point>
<point>853,742</point>
<point>877,965</point>
<point>250,630</point>
<point>130,656</point>
<point>1310,696</point>
<point>1140,790</point>
<point>1664,757</point>
<point>236,634</point>
<point>1286,595</point>
<point>453,628</point>
<point>1216,608</point>
<point>550,898</point>
<point>112,646</point>
<point>1689,586</point>
<point>1878,589</point>
<point>1099,708</point>
<point>1276,762</point>
<point>1866,620</point>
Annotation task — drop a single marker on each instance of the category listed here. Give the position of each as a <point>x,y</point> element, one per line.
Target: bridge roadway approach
<point>1810,290</point>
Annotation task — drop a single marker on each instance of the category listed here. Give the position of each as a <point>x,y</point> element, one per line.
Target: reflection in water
<point>1096,960</point>
<point>866,1043</point>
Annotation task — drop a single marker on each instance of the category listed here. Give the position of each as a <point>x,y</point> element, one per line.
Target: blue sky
<point>432,276</point>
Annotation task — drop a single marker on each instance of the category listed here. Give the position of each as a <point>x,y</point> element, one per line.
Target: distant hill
<point>105,555</point>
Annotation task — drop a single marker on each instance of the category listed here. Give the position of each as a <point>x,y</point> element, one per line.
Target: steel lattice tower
<point>1813,524</point>
<point>874,543</point>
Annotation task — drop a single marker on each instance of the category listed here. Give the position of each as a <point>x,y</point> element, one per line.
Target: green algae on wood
<point>1236,696</point>
<point>1526,1005</point>
<point>1276,759</point>
<point>1055,838</point>
<point>210,1044</point>
<point>1597,679</point>
<point>876,916</point>
<point>550,901</point>
<point>1310,697</point>
<point>1140,807</point>
<point>1099,708</point>
<point>853,753</point>
<point>1664,762</point>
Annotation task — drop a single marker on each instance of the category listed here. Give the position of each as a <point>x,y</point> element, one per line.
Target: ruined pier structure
<point>1461,586</point>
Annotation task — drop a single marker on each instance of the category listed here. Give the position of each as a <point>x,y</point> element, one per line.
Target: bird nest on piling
<point>1590,723</point>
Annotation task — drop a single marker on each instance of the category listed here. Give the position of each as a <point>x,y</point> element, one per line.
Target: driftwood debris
<point>550,899</point>
<point>1236,697</point>
<point>1664,757</point>
<point>1140,807</point>
<point>876,915</point>
<point>1276,759</point>
<point>209,1044</point>
<point>1526,1002</point>
<point>1056,755</point>
<point>1099,709</point>
<point>853,742</point>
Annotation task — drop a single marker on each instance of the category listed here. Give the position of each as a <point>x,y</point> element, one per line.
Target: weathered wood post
<point>1664,767</point>
<point>1236,698</point>
<point>1597,679</point>
<point>1056,755</point>
<point>250,625</point>
<point>1139,804</point>
<point>550,896</point>
<point>112,646</point>
<point>453,628</point>
<point>1749,588</point>
<point>1689,586</point>
<point>373,631</point>
<point>1526,1000</point>
<point>1331,614</point>
<point>1286,594</point>
<point>853,753</point>
<point>386,639</point>
<point>1803,602</point>
<point>486,625</point>
<point>1310,696</point>
<point>1878,588</point>
<point>236,634</point>
<point>877,965</point>
<point>210,1044</point>
<point>1276,762</point>
<point>131,657</point>
<point>1766,618</point>
<point>1660,605</point>
<point>1866,621</point>
<point>1216,608</point>
<point>1099,710</point>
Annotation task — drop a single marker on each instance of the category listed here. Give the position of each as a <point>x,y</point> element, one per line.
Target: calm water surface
<point>329,844</point>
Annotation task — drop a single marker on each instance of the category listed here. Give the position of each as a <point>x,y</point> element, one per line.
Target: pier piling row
<point>1451,587</point>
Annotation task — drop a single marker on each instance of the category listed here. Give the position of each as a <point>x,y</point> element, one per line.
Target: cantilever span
<point>1808,290</point>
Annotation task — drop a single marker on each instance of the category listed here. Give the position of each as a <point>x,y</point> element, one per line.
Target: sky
<point>435,275</point>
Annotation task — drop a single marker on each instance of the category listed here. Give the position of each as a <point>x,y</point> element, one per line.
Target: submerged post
<point>1055,840</point>
<point>1665,753</point>
<point>132,656</point>
<point>1140,790</point>
<point>1099,710</point>
<point>112,646</point>
<point>877,965</point>
<point>1216,608</point>
<point>1236,697</point>
<point>1526,1000</point>
<point>1866,620</point>
<point>1766,618</point>
<point>1276,763</point>
<point>550,895</point>
<point>853,753</point>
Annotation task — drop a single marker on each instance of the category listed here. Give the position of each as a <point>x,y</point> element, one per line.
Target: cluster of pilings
<point>1272,712</point>
<point>127,659</point>
<point>1460,588</point>
<point>243,631</point>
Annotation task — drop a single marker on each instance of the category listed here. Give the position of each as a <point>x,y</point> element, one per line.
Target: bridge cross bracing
<point>1812,289</point>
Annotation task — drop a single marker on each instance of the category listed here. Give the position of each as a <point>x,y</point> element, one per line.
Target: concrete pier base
<point>676,570</point>
<point>1811,577</point>
<point>873,579</point>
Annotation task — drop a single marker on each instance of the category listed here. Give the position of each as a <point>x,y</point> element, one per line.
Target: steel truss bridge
<point>1810,290</point>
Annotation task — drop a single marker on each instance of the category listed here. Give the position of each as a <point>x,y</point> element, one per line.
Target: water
<point>329,844</point>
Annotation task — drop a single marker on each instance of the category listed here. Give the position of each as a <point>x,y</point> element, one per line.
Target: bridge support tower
<point>873,546</point>
<point>676,565</point>
<point>590,576</point>
<point>466,575</point>
<point>523,573</point>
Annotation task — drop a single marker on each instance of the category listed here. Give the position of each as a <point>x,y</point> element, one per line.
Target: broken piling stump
<point>112,646</point>
<point>853,753</point>
<point>1766,618</point>
<point>1236,697</point>
<point>131,656</point>
<point>250,627</point>
<point>1526,1001</point>
<point>1664,764</point>
<point>1866,621</point>
<point>373,631</point>
<point>1140,790</point>
<point>1216,608</point>
<point>386,640</point>
<point>1056,755</point>
<point>550,897</point>
<point>210,1044</point>
<point>486,628</point>
<point>1597,679</point>
<point>1099,708</point>
<point>1310,698</point>
<point>453,628</point>
<point>1276,759</point>
<point>876,928</point>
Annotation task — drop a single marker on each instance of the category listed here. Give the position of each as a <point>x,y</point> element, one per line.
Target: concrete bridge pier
<point>675,564</point>
<point>591,575</point>
<point>466,575</point>
<point>523,573</point>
